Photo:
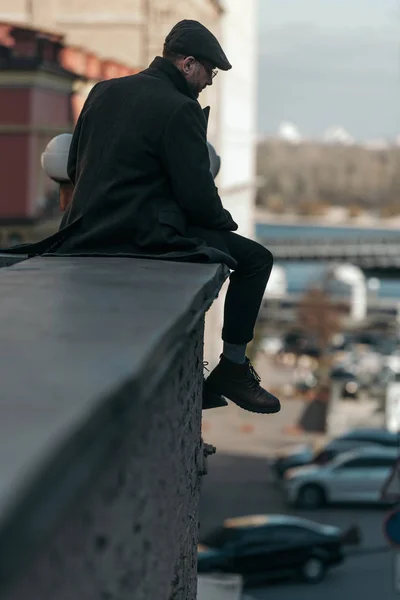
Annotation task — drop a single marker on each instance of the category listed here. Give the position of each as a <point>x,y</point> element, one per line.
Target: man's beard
<point>194,89</point>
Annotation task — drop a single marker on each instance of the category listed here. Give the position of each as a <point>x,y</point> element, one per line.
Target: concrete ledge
<point>6,260</point>
<point>101,376</point>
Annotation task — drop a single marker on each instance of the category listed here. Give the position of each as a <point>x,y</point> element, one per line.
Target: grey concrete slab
<point>7,260</point>
<point>72,332</point>
<point>131,533</point>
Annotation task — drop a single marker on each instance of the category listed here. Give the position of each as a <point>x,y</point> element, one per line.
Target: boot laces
<point>254,376</point>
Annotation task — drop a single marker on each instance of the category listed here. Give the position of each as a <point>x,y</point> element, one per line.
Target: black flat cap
<point>191,38</point>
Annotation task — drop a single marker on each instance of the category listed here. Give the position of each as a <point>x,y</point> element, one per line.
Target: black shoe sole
<point>245,406</point>
<point>260,411</point>
<point>213,401</point>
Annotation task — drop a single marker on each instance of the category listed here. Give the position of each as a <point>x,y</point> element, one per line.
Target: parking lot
<point>238,485</point>
<point>239,482</point>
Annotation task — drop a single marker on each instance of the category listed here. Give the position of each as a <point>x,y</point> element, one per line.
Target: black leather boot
<point>210,399</point>
<point>241,384</point>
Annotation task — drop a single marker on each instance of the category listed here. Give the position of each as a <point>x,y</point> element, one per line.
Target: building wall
<point>33,108</point>
<point>238,113</point>
<point>130,31</point>
<point>110,29</point>
<point>162,16</point>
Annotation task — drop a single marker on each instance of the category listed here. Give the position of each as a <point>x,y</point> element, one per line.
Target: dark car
<point>271,546</point>
<point>356,438</point>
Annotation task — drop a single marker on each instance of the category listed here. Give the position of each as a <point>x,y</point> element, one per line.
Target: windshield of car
<point>341,459</point>
<point>310,526</point>
<point>363,460</point>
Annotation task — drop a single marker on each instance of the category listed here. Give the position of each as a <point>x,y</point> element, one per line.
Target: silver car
<point>356,476</point>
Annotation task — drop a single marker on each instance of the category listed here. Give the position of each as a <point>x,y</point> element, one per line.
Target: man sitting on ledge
<point>140,167</point>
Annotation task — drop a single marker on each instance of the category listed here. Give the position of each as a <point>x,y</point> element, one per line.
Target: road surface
<point>238,485</point>
<point>369,578</point>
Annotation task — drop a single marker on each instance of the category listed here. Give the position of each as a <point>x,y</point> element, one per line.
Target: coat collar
<point>172,72</point>
<point>206,112</point>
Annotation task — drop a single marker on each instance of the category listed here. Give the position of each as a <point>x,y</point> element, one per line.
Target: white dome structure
<point>289,132</point>
<point>338,135</point>
<point>355,279</point>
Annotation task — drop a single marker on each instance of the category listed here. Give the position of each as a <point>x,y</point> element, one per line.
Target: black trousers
<point>247,283</point>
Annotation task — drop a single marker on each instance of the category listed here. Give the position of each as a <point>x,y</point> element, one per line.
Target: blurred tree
<point>320,319</point>
<point>275,203</point>
<point>354,211</point>
<point>313,174</point>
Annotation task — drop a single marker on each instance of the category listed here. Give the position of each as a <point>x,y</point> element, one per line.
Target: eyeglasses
<point>212,72</point>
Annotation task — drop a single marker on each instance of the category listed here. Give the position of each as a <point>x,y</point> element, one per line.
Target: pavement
<point>239,483</point>
<point>235,431</point>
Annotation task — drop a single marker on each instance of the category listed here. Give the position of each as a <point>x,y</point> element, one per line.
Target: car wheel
<point>313,570</point>
<point>311,496</point>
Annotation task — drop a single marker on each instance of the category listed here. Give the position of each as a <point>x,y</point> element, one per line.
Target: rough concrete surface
<point>74,329</point>
<point>6,260</point>
<point>132,535</point>
<point>100,437</point>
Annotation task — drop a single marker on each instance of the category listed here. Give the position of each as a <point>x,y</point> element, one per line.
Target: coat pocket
<point>174,219</point>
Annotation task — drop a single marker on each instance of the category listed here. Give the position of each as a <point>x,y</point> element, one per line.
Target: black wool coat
<point>140,167</point>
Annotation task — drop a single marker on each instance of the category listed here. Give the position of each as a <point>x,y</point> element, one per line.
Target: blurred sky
<point>330,62</point>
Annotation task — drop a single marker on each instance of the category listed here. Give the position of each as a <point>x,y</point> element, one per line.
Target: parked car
<point>305,454</point>
<point>356,476</point>
<point>262,547</point>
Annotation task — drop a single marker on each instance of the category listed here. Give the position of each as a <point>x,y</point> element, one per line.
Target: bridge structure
<point>373,255</point>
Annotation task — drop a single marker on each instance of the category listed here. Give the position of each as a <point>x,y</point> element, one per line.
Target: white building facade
<point>236,143</point>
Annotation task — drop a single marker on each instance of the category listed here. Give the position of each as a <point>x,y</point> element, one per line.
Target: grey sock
<point>235,352</point>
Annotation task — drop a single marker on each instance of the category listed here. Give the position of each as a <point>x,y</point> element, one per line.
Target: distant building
<point>127,31</point>
<point>43,85</point>
<point>289,132</point>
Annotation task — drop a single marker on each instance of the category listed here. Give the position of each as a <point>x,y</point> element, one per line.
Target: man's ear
<point>188,64</point>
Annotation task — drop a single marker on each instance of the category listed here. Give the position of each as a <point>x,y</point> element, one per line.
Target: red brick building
<point>43,84</point>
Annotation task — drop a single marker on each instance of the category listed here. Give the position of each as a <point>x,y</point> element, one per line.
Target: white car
<point>356,476</point>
